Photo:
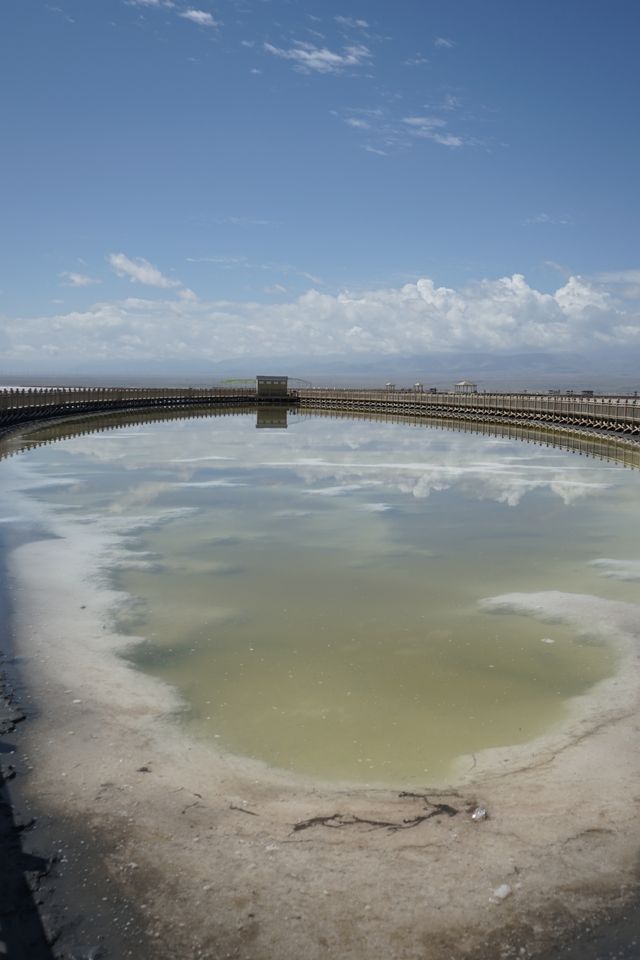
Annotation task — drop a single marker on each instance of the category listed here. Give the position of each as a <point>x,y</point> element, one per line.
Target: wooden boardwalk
<point>66,423</point>
<point>612,414</point>
<point>616,414</point>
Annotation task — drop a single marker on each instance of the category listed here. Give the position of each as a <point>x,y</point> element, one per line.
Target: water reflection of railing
<point>41,433</point>
<point>581,441</point>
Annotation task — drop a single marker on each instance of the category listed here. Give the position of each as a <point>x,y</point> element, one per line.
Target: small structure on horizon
<point>465,386</point>
<point>272,388</point>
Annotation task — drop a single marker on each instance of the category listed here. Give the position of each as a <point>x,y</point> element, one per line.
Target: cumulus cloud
<point>309,58</point>
<point>140,271</point>
<point>201,17</point>
<point>418,318</point>
<point>444,43</point>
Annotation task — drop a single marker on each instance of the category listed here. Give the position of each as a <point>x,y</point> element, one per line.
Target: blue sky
<point>330,179</point>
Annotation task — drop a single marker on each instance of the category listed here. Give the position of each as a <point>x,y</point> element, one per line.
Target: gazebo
<point>465,386</point>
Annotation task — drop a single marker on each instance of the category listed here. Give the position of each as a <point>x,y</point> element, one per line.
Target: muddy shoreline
<point>52,910</point>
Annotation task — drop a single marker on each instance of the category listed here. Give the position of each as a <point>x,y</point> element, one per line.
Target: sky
<point>195,182</point>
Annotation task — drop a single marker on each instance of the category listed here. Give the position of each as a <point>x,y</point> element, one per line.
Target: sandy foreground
<point>224,857</point>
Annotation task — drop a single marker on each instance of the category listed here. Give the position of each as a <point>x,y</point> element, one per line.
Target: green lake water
<point>313,593</point>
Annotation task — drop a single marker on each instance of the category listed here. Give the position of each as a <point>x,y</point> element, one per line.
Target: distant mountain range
<point>606,371</point>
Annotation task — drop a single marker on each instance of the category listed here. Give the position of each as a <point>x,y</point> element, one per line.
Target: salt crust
<point>562,833</point>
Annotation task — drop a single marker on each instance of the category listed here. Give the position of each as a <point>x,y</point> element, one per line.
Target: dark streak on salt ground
<point>22,933</point>
<point>57,901</point>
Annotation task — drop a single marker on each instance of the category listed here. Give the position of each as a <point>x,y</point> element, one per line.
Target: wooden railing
<point>617,414</point>
<point>42,403</point>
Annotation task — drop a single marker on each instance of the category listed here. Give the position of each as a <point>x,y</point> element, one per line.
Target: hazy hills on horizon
<point>602,372</point>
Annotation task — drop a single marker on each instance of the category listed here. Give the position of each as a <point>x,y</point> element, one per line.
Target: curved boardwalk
<point>577,440</point>
<point>44,403</point>
<point>616,414</point>
<point>617,418</point>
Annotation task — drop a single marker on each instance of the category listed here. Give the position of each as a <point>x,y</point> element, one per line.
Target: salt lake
<point>320,597</point>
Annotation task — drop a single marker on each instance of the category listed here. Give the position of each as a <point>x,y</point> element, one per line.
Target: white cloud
<point>201,17</point>
<point>350,22</point>
<point>627,282</point>
<point>309,58</point>
<point>620,276</point>
<point>424,123</point>
<point>70,279</point>
<point>140,271</point>
<point>429,128</point>
<point>376,150</point>
<point>443,43</point>
<point>188,295</point>
<point>448,139</point>
<point>417,318</point>
<point>150,3</point>
<point>451,102</point>
<point>386,134</point>
<point>542,218</point>
<point>311,277</point>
